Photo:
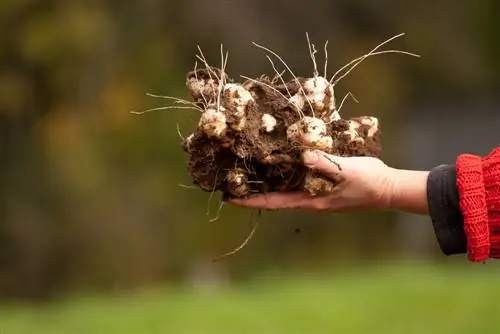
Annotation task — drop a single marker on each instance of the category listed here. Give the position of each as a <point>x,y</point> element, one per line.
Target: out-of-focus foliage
<point>90,194</point>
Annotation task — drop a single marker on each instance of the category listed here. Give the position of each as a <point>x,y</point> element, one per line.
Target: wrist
<point>408,191</point>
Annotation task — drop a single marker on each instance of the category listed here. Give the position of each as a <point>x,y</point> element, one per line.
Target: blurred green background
<point>97,235</point>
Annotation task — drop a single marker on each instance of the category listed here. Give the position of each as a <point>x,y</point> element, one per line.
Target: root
<point>217,216</point>
<point>213,191</point>
<point>359,60</point>
<point>312,52</point>
<point>326,59</point>
<point>179,132</point>
<point>222,78</point>
<point>185,186</point>
<point>162,108</point>
<point>349,94</point>
<point>196,77</point>
<point>373,52</point>
<point>255,223</point>
<point>289,70</point>
<point>202,58</point>
<point>301,114</point>
<point>265,84</point>
<point>337,111</point>
<point>176,100</point>
<point>278,76</point>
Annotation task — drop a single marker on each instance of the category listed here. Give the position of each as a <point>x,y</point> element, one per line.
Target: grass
<point>418,299</point>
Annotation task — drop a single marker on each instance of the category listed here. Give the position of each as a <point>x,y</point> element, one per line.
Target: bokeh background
<point>97,235</point>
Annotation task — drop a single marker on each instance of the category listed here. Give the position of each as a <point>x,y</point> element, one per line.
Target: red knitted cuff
<point>472,198</point>
<point>491,176</point>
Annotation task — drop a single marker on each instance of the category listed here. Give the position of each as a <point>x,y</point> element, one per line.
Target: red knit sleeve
<point>491,175</point>
<point>478,183</point>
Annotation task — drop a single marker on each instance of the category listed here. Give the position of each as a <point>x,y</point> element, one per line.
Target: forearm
<point>433,193</point>
<point>409,191</point>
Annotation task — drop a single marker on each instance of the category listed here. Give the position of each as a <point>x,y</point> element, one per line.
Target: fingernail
<point>310,157</point>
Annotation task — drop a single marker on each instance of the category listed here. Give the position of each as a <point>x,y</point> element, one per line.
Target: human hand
<point>363,183</point>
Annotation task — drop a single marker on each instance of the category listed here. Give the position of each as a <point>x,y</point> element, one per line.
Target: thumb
<point>326,164</point>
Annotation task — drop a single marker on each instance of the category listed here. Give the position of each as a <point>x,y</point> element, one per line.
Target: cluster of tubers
<point>251,134</point>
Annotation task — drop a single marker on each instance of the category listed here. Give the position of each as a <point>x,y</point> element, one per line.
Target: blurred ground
<point>416,299</point>
<point>90,202</point>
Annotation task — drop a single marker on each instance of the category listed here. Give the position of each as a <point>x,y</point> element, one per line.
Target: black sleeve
<point>444,210</point>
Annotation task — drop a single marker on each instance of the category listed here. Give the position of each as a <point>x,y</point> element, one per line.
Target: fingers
<point>280,201</point>
<point>270,201</point>
<point>321,162</point>
<point>326,164</point>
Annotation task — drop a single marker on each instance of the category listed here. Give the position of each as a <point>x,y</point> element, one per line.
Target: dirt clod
<point>251,135</point>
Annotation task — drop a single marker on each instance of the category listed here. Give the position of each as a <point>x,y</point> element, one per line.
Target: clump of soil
<point>251,135</point>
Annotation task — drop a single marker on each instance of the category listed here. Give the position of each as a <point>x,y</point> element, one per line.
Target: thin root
<point>221,79</point>
<point>312,52</point>
<point>362,58</point>
<point>278,76</point>
<point>196,77</point>
<point>345,98</point>
<point>201,57</point>
<point>185,186</point>
<point>163,108</point>
<point>359,60</point>
<point>349,94</point>
<point>176,100</point>
<point>265,84</point>
<point>289,70</point>
<point>221,204</point>
<point>179,132</point>
<point>212,192</point>
<point>255,223</point>
<point>284,84</point>
<point>326,58</point>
